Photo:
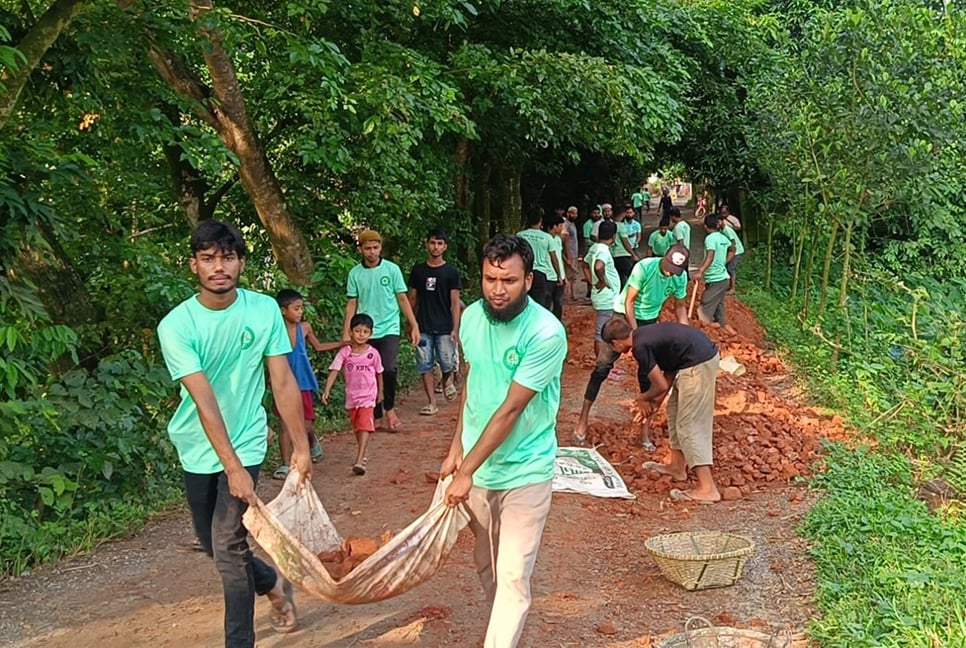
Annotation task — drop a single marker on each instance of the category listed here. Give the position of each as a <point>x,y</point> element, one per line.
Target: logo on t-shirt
<point>247,338</point>
<point>431,283</point>
<point>511,359</point>
<point>384,281</point>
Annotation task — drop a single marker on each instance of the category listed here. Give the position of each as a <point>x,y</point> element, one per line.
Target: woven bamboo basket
<point>712,636</point>
<point>698,560</point>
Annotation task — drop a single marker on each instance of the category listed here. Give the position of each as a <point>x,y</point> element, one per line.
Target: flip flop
<point>428,410</point>
<point>450,392</point>
<point>360,468</point>
<point>659,468</point>
<point>284,618</point>
<point>648,446</point>
<point>678,495</point>
<point>579,440</point>
<point>281,473</point>
<point>316,452</point>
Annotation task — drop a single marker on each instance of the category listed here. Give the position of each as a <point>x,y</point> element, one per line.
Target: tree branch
<point>182,80</point>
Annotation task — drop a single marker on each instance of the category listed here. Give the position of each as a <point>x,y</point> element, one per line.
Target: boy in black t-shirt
<point>672,354</point>
<point>434,291</point>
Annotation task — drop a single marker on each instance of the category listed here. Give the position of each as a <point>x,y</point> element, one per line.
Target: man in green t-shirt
<point>646,199</point>
<point>218,345</point>
<point>625,256</point>
<point>652,281</point>
<point>502,454</point>
<point>376,287</point>
<point>681,227</point>
<point>660,240</point>
<point>604,281</point>
<point>718,252</point>
<point>730,225</point>
<point>637,200</point>
<point>545,261</point>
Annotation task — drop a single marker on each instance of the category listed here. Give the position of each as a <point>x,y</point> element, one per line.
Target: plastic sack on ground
<point>585,471</point>
<point>294,528</point>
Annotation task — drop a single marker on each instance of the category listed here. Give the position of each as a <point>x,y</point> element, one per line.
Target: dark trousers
<point>713,300</point>
<point>556,299</point>
<point>388,348</point>
<point>605,362</point>
<point>624,265</point>
<point>540,289</point>
<point>637,213</point>
<point>217,518</point>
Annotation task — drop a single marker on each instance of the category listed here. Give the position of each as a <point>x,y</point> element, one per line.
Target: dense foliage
<point>834,129</point>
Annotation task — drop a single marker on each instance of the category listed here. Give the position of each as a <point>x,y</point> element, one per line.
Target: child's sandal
<point>360,468</point>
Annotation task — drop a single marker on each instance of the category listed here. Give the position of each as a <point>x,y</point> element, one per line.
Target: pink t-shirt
<point>360,375</point>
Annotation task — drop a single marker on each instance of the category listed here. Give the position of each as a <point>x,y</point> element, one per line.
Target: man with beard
<point>571,244</point>
<point>218,344</point>
<point>502,454</point>
<point>376,287</point>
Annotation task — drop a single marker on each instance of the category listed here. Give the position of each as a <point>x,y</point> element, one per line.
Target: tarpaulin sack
<point>294,528</point>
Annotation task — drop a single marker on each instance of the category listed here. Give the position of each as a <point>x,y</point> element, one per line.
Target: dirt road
<point>594,585</point>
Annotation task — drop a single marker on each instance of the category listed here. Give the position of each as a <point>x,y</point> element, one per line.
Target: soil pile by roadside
<point>761,436</point>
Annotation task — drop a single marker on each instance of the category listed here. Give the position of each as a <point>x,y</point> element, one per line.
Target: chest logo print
<point>511,359</point>
<point>247,338</point>
<point>384,281</point>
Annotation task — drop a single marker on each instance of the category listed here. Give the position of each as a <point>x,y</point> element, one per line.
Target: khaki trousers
<point>508,526</point>
<point>690,412</point>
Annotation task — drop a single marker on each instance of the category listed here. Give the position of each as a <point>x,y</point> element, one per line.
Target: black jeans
<point>388,348</point>
<point>624,265</point>
<point>540,290</point>
<point>605,362</point>
<point>217,518</point>
<point>556,299</point>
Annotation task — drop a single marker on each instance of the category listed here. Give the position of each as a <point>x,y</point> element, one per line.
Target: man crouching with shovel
<point>671,354</point>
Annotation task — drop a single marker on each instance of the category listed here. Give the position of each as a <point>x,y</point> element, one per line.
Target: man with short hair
<point>607,213</point>
<point>718,251</point>
<point>603,279</point>
<point>660,240</point>
<point>544,260</point>
<point>681,227</point>
<point>376,287</point>
<point>590,225</point>
<point>624,254</point>
<point>730,225</point>
<point>218,345</point>
<point>434,293</point>
<point>502,454</point>
<point>571,249</point>
<point>669,355</point>
<point>651,282</point>
<point>646,198</point>
<point>637,201</point>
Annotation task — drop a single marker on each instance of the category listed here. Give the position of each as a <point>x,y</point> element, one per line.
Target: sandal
<point>648,445</point>
<point>450,391</point>
<point>360,468</point>
<point>428,410</point>
<point>316,452</point>
<point>284,619</point>
<point>281,473</point>
<point>678,495</point>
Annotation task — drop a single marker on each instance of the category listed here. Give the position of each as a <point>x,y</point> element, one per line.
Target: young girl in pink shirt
<point>362,366</point>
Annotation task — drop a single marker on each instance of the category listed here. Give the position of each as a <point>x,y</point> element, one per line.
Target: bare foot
<point>665,469</point>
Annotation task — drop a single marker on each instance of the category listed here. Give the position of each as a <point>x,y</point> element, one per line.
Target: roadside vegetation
<point>833,129</point>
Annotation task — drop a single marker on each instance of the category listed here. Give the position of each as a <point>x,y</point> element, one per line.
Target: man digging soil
<point>669,355</point>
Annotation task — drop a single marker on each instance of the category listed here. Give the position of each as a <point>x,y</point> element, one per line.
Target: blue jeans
<point>435,348</point>
<point>217,518</point>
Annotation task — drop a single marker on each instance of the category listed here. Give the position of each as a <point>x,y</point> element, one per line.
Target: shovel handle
<point>694,294</point>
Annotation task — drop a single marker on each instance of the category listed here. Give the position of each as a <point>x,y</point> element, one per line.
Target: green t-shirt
<point>587,228</point>
<point>376,289</point>
<point>637,199</point>
<point>618,249</point>
<point>654,288</point>
<point>528,350</point>
<point>229,346</point>
<point>732,235</point>
<point>682,232</point>
<point>540,242</point>
<point>603,299</point>
<point>660,243</point>
<point>719,243</point>
<point>634,233</point>
<point>647,196</point>
<point>556,246</point>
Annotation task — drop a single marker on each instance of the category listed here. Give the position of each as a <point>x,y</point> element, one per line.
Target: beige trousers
<point>508,526</point>
<point>690,412</point>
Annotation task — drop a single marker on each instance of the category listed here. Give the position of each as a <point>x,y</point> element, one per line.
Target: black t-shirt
<point>671,346</point>
<point>433,285</point>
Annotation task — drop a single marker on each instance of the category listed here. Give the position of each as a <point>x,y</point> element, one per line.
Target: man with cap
<point>652,281</point>
<point>669,355</point>
<point>377,288</point>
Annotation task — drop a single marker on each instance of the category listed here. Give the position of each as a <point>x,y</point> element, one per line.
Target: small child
<point>292,305</point>
<point>362,366</point>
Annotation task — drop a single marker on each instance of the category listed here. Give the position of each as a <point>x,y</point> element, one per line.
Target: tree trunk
<point>461,182</point>
<point>827,268</point>
<point>771,229</point>
<point>189,186</point>
<point>223,107</point>
<point>33,46</point>
<point>807,281</point>
<point>482,199</point>
<point>846,266</point>
<point>797,267</point>
<point>511,212</point>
